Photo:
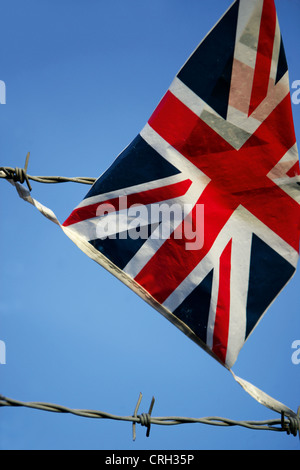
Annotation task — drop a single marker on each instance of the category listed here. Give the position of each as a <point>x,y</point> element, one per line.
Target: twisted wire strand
<point>62,179</point>
<point>145,419</point>
<point>20,175</point>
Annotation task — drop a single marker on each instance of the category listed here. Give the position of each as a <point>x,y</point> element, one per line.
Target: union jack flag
<point>222,138</point>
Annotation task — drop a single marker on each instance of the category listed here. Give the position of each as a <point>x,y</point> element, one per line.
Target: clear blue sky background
<point>82,79</point>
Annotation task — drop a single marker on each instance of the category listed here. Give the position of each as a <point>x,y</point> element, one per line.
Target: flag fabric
<point>200,214</point>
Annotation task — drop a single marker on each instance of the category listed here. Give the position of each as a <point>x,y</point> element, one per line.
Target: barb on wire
<point>20,175</point>
<point>285,424</point>
<point>145,418</point>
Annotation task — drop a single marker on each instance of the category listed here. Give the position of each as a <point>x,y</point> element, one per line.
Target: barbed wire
<point>285,424</point>
<point>288,424</point>
<point>20,175</point>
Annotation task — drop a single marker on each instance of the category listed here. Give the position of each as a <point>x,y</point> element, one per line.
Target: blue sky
<point>82,78</point>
